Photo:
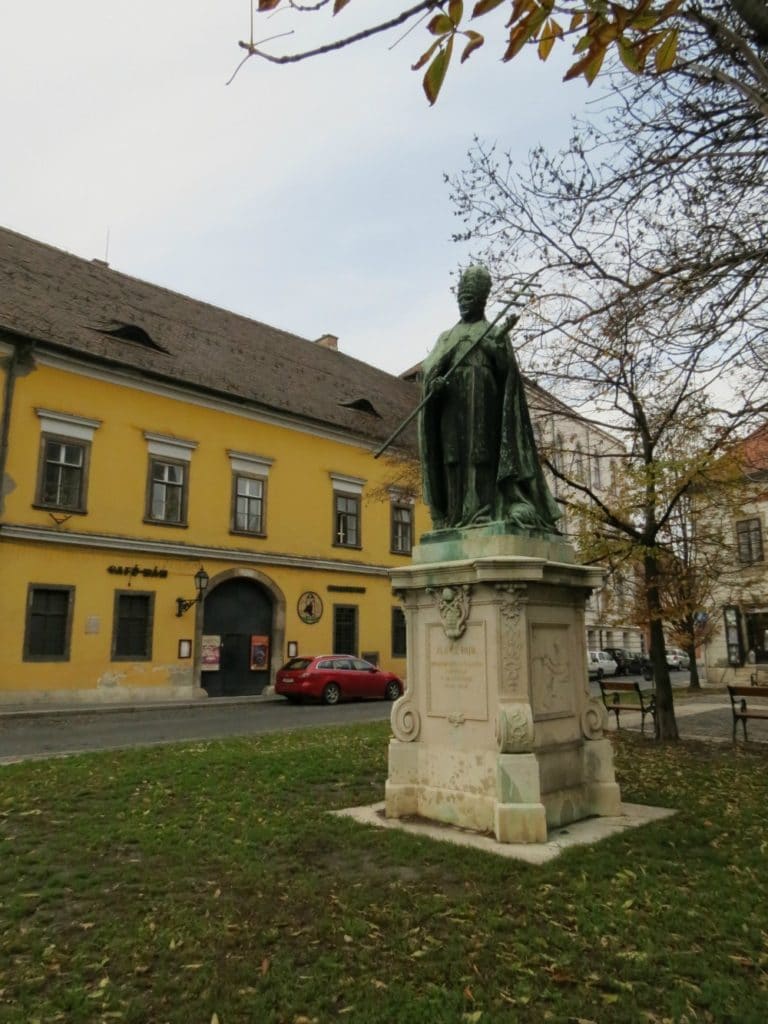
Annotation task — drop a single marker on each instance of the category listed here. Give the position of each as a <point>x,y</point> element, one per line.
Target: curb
<point>12,711</point>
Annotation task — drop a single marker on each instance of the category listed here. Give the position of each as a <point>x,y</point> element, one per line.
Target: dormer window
<point>131,332</point>
<point>362,405</point>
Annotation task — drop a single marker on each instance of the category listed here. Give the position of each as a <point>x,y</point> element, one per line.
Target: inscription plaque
<point>457,673</point>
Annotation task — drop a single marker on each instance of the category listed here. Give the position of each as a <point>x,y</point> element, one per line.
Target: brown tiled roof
<point>753,451</point>
<point>71,305</point>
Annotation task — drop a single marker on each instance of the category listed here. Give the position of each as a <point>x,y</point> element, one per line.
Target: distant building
<point>740,638</point>
<point>145,436</point>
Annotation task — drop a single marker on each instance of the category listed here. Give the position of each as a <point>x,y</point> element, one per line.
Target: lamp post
<point>201,584</point>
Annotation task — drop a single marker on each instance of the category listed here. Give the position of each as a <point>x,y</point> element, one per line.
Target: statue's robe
<point>478,451</point>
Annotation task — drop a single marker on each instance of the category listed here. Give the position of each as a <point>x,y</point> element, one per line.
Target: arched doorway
<point>240,610</point>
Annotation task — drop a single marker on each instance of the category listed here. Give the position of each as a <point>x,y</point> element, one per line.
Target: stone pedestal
<point>496,731</point>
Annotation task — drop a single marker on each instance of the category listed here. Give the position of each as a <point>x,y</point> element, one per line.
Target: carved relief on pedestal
<point>594,719</point>
<point>512,638</point>
<point>405,720</point>
<point>453,605</point>
<point>551,689</point>
<point>514,728</point>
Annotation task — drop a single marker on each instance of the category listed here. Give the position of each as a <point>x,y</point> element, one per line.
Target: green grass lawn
<point>206,882</point>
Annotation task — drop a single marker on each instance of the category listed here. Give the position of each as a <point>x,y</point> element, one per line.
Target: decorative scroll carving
<point>511,608</point>
<point>594,719</point>
<point>457,719</point>
<point>405,720</point>
<point>453,606</point>
<point>514,728</point>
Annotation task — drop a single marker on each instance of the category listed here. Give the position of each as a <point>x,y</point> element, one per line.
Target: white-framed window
<point>401,522</point>
<point>65,448</point>
<point>402,529</point>
<point>347,493</point>
<point>168,479</point>
<point>249,492</point>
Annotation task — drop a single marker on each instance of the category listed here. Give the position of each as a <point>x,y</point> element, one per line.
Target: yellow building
<point>145,436</point>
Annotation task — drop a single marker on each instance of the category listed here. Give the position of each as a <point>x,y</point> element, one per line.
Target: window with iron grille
<point>249,505</point>
<point>345,629</point>
<point>749,538</point>
<point>402,529</point>
<point>398,633</point>
<point>578,462</point>
<point>62,474</point>
<point>132,626</point>
<point>167,491</point>
<point>49,623</point>
<point>346,520</point>
<point>597,475</point>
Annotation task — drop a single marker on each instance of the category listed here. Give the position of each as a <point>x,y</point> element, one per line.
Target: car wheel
<point>599,675</point>
<point>331,693</point>
<point>293,699</point>
<point>392,691</point>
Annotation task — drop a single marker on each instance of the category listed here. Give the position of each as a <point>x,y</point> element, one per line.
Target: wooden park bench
<point>759,675</point>
<point>620,697</point>
<point>742,711</point>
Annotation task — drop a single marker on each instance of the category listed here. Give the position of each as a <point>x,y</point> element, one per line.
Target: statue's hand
<point>438,384</point>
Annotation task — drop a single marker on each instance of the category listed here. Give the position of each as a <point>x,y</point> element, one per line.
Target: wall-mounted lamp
<point>201,583</point>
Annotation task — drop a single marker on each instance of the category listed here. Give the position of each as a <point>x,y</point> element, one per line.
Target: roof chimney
<point>328,341</point>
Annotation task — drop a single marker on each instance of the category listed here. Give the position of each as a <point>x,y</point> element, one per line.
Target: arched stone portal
<point>239,605</point>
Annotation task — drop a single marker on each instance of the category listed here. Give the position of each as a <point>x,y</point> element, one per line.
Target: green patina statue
<point>478,451</point>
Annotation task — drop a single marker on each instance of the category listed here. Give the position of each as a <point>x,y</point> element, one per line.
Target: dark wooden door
<point>237,610</point>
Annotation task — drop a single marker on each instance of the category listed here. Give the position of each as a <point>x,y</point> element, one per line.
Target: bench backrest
<point>621,687</point>
<point>748,691</point>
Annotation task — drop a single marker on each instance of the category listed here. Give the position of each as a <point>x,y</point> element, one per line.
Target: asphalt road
<point>45,735</point>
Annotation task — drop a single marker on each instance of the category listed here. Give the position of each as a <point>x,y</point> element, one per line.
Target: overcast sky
<point>310,197</point>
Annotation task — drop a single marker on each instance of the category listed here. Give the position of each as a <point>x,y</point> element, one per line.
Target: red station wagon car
<point>333,677</point>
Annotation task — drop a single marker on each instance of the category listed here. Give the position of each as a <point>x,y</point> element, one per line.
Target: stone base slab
<point>580,833</point>
<point>500,793</point>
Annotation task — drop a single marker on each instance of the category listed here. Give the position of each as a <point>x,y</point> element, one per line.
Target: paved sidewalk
<point>705,716</point>
<point>42,710</point>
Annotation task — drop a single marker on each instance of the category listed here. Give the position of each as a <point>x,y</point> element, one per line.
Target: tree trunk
<point>666,724</point>
<point>689,646</point>
<point>695,683</point>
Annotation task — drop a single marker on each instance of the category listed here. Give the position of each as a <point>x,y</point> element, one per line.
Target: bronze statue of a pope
<point>478,451</point>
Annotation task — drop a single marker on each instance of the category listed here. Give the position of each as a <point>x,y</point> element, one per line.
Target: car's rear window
<point>296,664</point>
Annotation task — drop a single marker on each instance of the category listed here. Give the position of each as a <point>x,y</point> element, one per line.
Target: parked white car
<point>677,658</point>
<point>600,664</point>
